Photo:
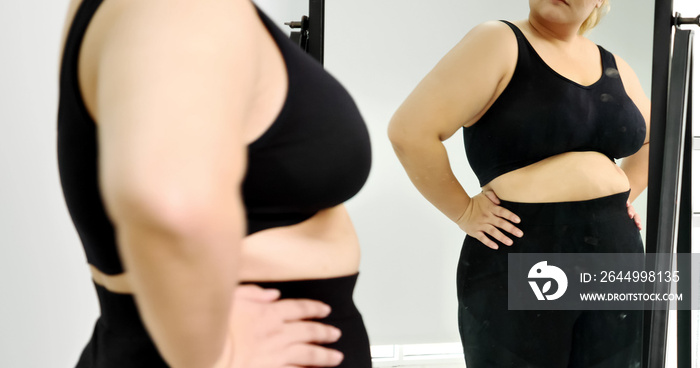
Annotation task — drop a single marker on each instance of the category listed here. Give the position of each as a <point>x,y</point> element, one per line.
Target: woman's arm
<point>174,84</point>
<point>170,108</point>
<point>455,93</point>
<point>636,166</point>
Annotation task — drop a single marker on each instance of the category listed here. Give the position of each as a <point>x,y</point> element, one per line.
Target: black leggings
<point>495,337</point>
<point>120,339</point>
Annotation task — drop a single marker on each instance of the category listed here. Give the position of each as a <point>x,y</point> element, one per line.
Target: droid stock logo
<point>541,271</point>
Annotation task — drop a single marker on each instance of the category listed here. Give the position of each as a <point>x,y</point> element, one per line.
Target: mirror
<point>415,252</point>
<point>380,51</point>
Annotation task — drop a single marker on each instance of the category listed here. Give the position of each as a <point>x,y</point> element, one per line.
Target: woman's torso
<point>580,171</point>
<point>317,242</point>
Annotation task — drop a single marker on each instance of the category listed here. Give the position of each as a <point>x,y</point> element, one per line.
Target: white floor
<point>441,355</point>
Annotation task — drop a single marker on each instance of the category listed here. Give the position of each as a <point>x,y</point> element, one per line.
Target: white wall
<point>378,49</point>
<point>46,304</point>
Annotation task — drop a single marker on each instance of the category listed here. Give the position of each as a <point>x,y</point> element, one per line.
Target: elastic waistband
<point>120,314</point>
<point>562,213</point>
<point>336,292</point>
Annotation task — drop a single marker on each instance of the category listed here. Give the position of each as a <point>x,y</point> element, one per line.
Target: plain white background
<point>378,49</point>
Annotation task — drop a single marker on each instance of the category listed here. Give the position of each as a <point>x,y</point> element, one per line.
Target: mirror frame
<point>669,206</point>
<point>667,226</point>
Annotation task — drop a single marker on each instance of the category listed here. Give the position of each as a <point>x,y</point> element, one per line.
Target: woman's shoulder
<point>493,40</point>
<point>492,31</point>
<point>161,37</point>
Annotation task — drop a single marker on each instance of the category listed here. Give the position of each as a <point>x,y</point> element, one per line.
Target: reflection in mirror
<point>544,114</point>
<point>381,51</point>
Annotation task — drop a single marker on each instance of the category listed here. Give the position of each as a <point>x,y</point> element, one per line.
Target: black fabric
<point>541,114</point>
<point>495,337</point>
<point>337,293</point>
<point>315,155</point>
<point>77,155</point>
<point>120,339</point>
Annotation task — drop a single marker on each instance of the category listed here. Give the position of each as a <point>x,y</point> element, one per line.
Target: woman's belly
<point>570,176</point>
<point>323,246</point>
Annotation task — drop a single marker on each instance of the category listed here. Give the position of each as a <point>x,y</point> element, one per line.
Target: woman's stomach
<point>324,246</point>
<point>570,176</point>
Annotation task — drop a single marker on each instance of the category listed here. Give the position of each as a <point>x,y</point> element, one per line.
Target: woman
<point>544,112</point>
<point>199,148</point>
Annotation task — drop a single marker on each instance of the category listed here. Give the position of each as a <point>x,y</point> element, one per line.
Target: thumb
<point>256,293</point>
<point>491,195</point>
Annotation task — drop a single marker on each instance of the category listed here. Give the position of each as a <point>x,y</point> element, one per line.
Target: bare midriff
<point>570,176</point>
<point>323,246</point>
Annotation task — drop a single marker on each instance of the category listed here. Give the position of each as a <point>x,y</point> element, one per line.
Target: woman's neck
<point>553,32</point>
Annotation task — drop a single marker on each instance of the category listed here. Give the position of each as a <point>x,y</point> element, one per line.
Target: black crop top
<point>541,113</point>
<point>315,155</point>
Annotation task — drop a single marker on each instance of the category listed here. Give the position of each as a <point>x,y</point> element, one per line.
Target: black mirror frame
<point>669,204</point>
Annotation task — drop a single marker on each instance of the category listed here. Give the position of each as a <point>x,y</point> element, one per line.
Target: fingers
<point>498,210</point>
<point>313,332</point>
<point>506,214</point>
<point>638,221</point>
<point>489,223</point>
<point>491,195</point>
<point>509,227</point>
<point>634,216</point>
<point>495,232</point>
<point>314,356</point>
<point>498,235</point>
<point>480,236</point>
<point>630,210</point>
<point>299,309</point>
<point>256,293</point>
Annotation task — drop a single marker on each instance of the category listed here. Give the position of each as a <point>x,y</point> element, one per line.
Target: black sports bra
<point>315,155</point>
<point>541,114</point>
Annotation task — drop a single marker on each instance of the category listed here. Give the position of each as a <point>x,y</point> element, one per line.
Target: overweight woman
<point>200,149</point>
<point>545,113</point>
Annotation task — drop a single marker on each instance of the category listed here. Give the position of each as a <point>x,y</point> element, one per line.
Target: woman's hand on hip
<point>634,215</point>
<point>270,333</point>
<point>483,215</point>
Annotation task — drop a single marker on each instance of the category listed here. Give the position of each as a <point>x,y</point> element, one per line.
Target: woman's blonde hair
<point>595,17</point>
